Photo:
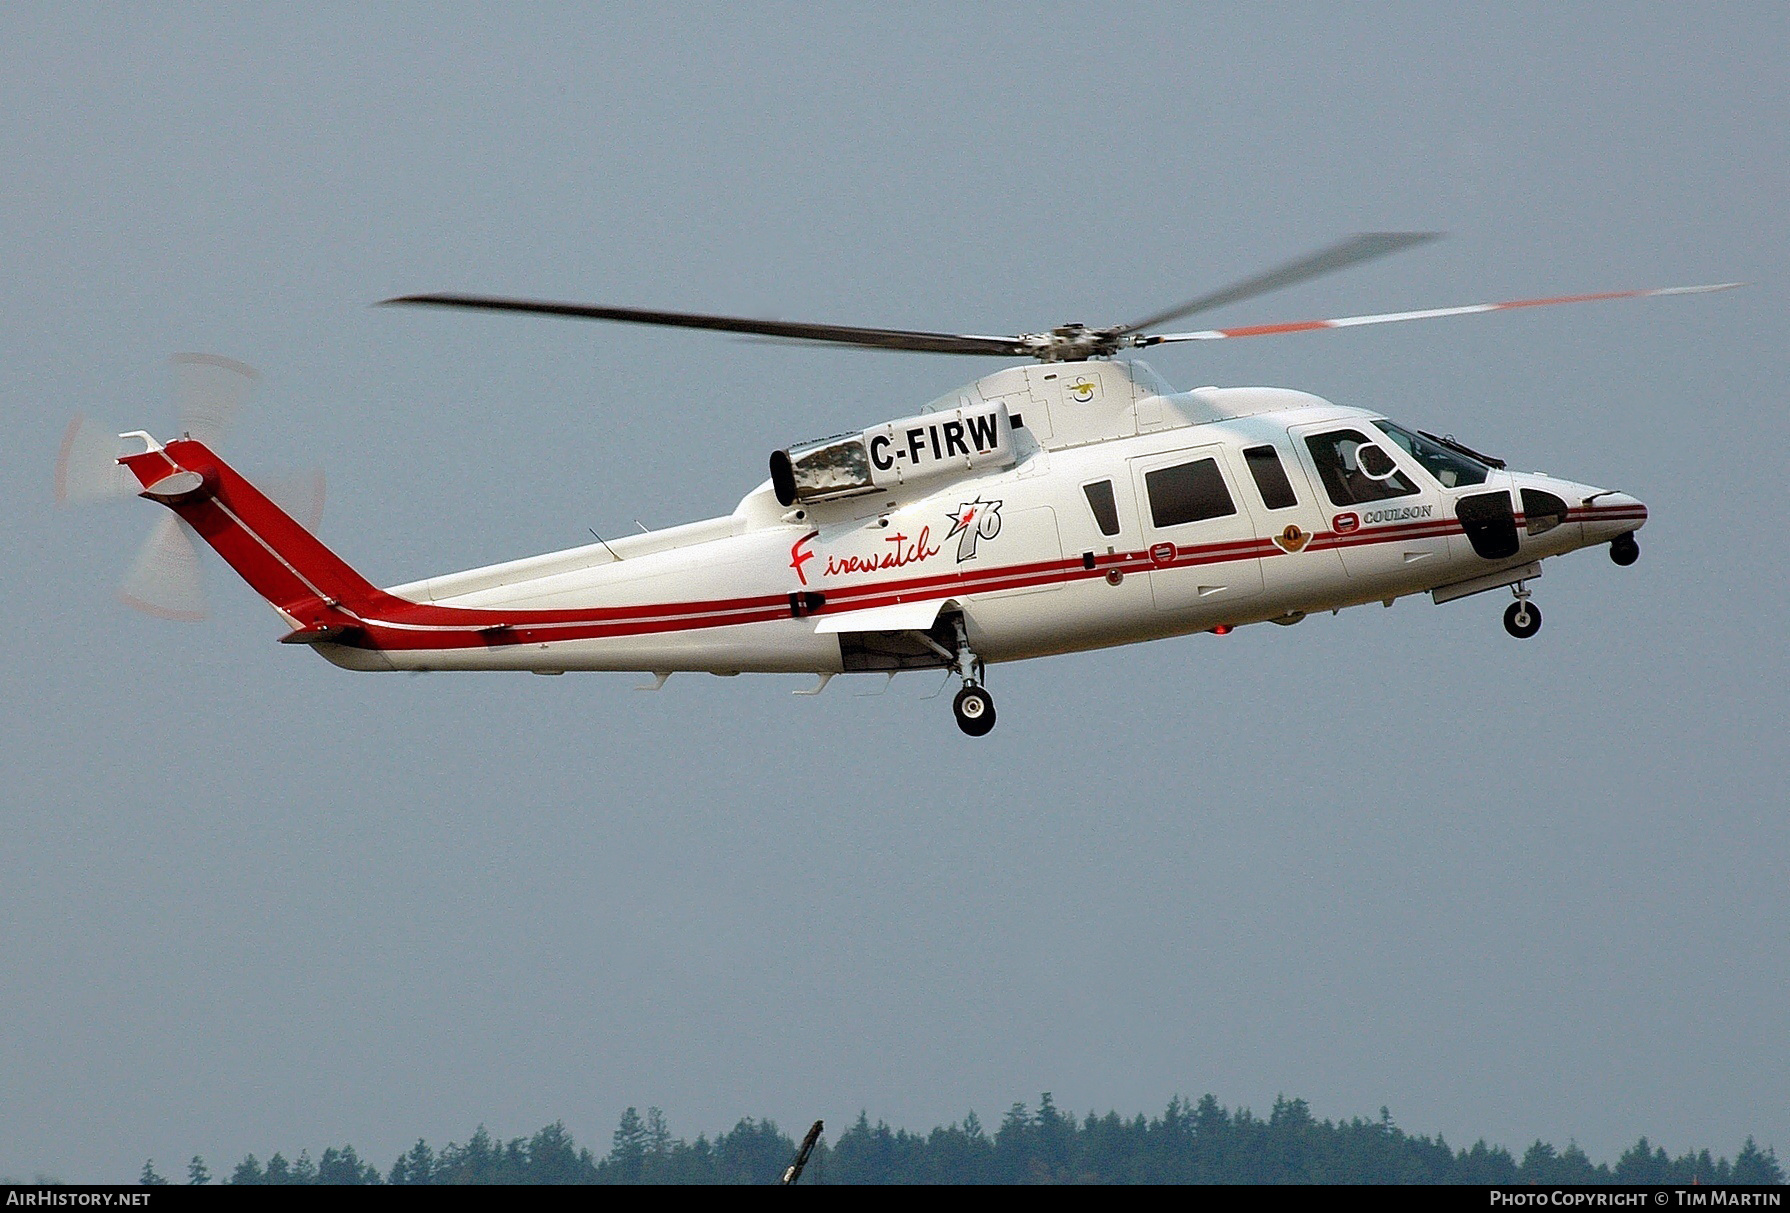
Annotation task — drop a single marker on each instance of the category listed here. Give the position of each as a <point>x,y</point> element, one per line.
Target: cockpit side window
<point>1450,468</point>
<point>1345,480</point>
<point>1106,510</point>
<point>1270,477</point>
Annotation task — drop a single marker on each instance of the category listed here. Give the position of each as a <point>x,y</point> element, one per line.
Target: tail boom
<point>355,624</point>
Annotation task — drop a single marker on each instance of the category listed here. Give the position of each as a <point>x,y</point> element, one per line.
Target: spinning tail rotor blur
<point>166,578</point>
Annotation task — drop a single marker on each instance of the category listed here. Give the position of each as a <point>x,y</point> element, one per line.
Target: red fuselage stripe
<point>457,627</point>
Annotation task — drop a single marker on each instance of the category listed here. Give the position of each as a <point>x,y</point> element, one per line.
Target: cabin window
<point>1452,469</point>
<point>1106,510</point>
<point>1348,482</point>
<point>1187,492</point>
<point>1270,477</point>
<point>1542,511</point>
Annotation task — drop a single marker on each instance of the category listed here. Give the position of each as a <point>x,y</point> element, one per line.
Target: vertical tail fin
<point>280,559</point>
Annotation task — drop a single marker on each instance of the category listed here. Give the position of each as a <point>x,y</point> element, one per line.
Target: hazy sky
<point>251,902</point>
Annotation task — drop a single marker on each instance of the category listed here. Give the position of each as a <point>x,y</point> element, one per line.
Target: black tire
<point>1522,619</point>
<point>974,709</point>
<point>1624,550</point>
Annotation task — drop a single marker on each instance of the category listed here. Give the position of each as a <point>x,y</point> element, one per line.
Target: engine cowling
<point>928,446</point>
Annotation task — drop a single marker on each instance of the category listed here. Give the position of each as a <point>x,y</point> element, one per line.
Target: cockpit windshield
<point>1450,468</point>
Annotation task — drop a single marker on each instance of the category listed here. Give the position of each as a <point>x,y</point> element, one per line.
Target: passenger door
<point>1197,530</point>
<point>1297,571</point>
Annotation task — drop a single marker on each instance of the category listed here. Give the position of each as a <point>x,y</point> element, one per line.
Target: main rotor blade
<point>837,334</point>
<point>1471,309</point>
<point>1344,253</point>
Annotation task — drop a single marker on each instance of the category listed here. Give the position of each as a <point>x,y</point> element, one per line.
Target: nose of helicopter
<point>1608,514</point>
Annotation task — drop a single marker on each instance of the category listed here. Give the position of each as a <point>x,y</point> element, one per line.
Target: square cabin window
<point>1187,492</point>
<point>1270,477</point>
<point>1106,510</point>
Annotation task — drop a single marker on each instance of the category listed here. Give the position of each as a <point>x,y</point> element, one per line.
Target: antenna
<point>604,542</point>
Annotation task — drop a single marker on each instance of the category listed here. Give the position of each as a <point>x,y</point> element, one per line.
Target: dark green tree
<point>627,1153</point>
<point>658,1144</point>
<point>417,1166</point>
<point>149,1178</point>
<point>1755,1166</point>
<point>755,1152</point>
<point>553,1158</point>
<point>197,1172</point>
<point>344,1166</point>
<point>1642,1164</point>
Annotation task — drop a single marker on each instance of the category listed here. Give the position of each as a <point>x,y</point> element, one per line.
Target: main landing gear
<point>1522,618</point>
<point>973,707</point>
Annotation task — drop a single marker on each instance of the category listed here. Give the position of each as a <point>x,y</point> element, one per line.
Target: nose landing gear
<point>973,707</point>
<point>1522,618</point>
<point>1624,550</point>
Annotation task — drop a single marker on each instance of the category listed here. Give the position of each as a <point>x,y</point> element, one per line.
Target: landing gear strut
<point>1522,618</point>
<point>973,707</point>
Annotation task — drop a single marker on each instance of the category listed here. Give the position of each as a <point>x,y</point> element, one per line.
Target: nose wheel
<point>1522,618</point>
<point>1624,550</point>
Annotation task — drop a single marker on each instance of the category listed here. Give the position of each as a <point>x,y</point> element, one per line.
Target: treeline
<point>1188,1143</point>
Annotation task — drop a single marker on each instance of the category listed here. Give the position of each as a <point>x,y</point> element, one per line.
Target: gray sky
<point>250,902</point>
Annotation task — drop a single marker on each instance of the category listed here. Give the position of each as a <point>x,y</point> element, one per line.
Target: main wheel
<point>974,709</point>
<point>1624,550</point>
<point>1522,619</point>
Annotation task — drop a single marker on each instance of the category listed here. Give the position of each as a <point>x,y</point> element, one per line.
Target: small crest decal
<point>1342,524</point>
<point>1292,539</point>
<point>1163,553</point>
<point>1082,389</point>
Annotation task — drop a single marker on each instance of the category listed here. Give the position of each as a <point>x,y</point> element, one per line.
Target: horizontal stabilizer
<point>320,634</point>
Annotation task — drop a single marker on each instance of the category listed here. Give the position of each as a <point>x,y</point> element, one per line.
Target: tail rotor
<point>87,468</point>
<point>167,580</point>
<point>208,390</point>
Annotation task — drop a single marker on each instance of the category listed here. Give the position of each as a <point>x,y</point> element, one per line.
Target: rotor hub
<point>1073,343</point>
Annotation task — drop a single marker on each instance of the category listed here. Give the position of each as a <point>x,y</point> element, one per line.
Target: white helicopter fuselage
<point>1076,503</point>
<point>1122,512</point>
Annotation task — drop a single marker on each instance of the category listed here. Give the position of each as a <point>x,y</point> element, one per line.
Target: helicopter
<point>1076,501</point>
